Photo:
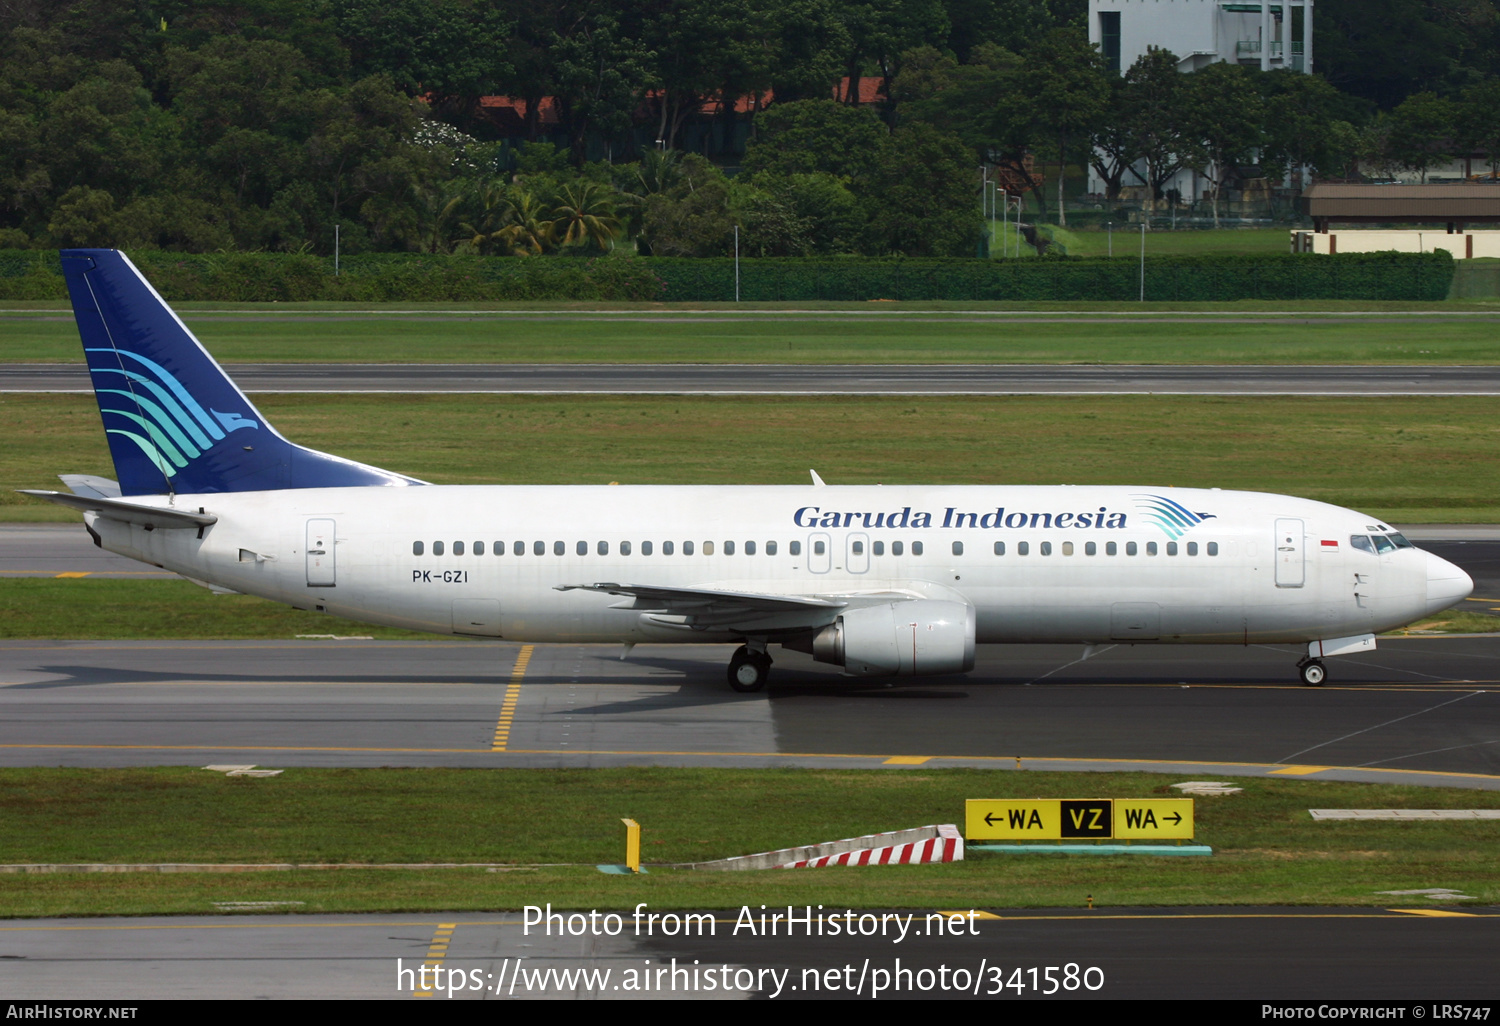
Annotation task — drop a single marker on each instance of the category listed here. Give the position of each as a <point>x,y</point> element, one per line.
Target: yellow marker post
<point>632,845</point>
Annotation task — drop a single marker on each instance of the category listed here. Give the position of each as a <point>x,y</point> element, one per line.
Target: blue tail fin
<point>174,420</point>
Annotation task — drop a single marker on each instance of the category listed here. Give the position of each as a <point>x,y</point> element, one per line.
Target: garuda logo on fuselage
<point>1173,518</point>
<point>161,418</point>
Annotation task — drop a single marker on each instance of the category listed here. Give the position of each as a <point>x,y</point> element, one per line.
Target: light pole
<point>737,263</point>
<point>335,250</point>
<point>1143,261</point>
<point>1005,223</point>
<point>1109,231</point>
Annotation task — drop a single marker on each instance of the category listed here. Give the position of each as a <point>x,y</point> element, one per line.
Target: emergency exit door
<point>1291,569</point>
<point>320,554</point>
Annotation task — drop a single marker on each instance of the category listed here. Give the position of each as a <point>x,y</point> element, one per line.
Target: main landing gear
<point>749,669</point>
<point>1312,672</point>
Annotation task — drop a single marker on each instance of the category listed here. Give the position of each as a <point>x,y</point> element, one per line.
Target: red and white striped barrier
<point>946,846</point>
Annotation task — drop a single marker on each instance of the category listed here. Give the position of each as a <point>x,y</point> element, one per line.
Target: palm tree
<point>525,233</point>
<point>584,216</point>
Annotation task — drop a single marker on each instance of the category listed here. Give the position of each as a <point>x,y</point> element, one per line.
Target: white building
<point>1267,36</point>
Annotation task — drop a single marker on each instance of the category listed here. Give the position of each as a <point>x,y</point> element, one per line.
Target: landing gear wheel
<point>1312,672</point>
<point>748,671</point>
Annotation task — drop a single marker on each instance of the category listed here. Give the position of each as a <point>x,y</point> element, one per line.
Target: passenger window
<point>999,548</point>
<point>624,548</point>
<point>582,548</point>
<point>1213,548</point>
<point>1171,548</point>
<point>1359,541</point>
<point>916,548</point>
<point>1023,548</point>
<point>958,548</point>
<point>479,548</point>
<point>666,548</point>
<point>729,548</point>
<point>1192,548</point>
<point>1111,549</point>
<point>1045,548</point>
<point>1151,548</point>
<point>770,548</point>
<point>1067,548</point>
<point>558,548</point>
<point>437,548</point>
<point>708,549</point>
<point>749,548</point>
<point>1383,544</point>
<point>858,548</point>
<point>1130,548</point>
<point>878,548</point>
<point>518,548</point>
<point>499,548</point>
<point>416,548</point>
<point>687,548</point>
<point>898,548</point>
<point>818,548</point>
<point>1401,542</point>
<point>795,548</point>
<point>645,548</point>
<point>1091,548</point>
<point>602,548</point>
<point>458,548</point>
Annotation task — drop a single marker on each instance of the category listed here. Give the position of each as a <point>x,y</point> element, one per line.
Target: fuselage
<point>1036,564</point>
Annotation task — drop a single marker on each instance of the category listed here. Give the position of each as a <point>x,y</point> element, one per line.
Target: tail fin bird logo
<point>152,409</point>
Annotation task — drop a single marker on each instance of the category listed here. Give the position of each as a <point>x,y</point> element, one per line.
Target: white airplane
<point>882,581</point>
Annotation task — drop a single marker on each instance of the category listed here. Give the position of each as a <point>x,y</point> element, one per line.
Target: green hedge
<point>376,278</point>
<point>1365,276</point>
<point>268,277</point>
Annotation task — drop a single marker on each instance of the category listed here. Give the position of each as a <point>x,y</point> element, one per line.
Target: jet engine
<point>900,639</point>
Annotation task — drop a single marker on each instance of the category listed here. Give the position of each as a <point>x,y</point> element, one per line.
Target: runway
<point>436,703</point>
<point>1260,954</point>
<point>1419,710</point>
<point>814,379</point>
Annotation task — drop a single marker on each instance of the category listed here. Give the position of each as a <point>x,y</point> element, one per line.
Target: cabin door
<point>1291,567</point>
<point>321,570</point>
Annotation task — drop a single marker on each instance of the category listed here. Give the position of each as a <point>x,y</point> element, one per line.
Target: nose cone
<point>1446,584</point>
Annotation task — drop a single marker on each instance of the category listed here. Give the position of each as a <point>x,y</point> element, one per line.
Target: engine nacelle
<point>900,639</point>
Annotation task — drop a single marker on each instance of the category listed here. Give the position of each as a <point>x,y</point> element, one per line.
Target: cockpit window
<point>1362,543</point>
<point>1401,542</point>
<point>1383,544</point>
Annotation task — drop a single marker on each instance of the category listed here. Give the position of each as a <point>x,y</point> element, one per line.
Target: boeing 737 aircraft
<point>882,581</point>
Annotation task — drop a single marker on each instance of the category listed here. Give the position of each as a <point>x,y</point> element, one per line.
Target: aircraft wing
<point>705,608</point>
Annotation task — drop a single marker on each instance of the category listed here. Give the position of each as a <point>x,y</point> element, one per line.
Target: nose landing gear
<point>1312,672</point>
<point>749,669</point>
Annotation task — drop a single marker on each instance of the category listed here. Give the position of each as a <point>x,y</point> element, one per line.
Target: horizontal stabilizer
<point>129,512</point>
<point>88,484</point>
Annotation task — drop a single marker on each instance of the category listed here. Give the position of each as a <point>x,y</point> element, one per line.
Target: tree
<point>583,217</point>
<point>816,135</point>
<point>921,200</point>
<point>451,51</point>
<point>1224,115</point>
<point>693,218</point>
<point>1153,108</point>
<point>1065,76</point>
<point>1303,115</point>
<point>1422,132</point>
<point>600,75</point>
<point>1477,120</point>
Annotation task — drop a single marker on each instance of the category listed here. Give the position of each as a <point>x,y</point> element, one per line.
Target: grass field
<point>1303,336</point>
<point>1268,850</point>
<point>1419,460</point>
<point>1163,242</point>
